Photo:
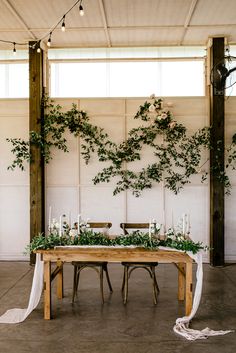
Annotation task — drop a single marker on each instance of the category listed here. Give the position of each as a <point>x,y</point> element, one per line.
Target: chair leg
<point>75,284</point>
<point>156,284</point>
<point>154,288</point>
<point>123,282</point>
<point>101,284</point>
<point>125,291</point>
<point>108,278</point>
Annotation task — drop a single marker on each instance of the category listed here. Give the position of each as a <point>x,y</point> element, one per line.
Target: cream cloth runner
<point>181,326</point>
<point>14,316</point>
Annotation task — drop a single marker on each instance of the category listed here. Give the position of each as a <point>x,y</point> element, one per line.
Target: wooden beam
<point>104,20</point>
<point>37,209</point>
<point>190,13</point>
<point>217,192</point>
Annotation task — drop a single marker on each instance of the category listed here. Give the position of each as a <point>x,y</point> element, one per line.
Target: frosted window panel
<point>134,52</point>
<point>231,79</point>
<point>231,91</point>
<point>133,79</point>
<point>2,81</point>
<point>127,79</point>
<point>8,55</point>
<point>182,78</point>
<point>78,80</point>
<point>18,81</point>
<point>81,53</point>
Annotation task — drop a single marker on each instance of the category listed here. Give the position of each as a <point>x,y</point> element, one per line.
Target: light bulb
<point>81,10</point>
<point>63,25</point>
<point>14,49</point>
<point>49,40</point>
<point>38,50</point>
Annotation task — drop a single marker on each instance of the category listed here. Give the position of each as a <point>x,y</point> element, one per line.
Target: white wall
<point>14,186</point>
<point>68,179</point>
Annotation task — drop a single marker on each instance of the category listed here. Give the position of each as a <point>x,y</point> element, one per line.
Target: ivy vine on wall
<point>177,155</point>
<point>56,124</point>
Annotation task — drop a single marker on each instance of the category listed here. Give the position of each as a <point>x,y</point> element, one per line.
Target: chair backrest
<point>126,226</point>
<point>100,224</point>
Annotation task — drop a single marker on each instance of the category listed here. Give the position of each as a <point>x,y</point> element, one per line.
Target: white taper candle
<point>50,219</point>
<point>184,223</point>
<point>172,219</point>
<point>78,224</point>
<point>60,226</point>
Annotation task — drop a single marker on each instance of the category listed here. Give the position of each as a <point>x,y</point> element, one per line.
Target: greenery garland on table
<point>137,238</point>
<point>178,156</point>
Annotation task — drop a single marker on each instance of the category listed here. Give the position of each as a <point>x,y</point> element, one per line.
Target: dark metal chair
<point>129,267</point>
<point>99,266</point>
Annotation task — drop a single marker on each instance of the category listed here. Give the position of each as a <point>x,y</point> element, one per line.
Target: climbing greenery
<point>55,124</point>
<point>176,154</point>
<point>136,238</point>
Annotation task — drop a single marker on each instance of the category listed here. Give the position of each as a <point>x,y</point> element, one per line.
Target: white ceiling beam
<point>18,17</point>
<point>117,28</point>
<point>188,19</point>
<point>104,20</point>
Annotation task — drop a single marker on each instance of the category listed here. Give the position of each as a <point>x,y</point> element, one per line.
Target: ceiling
<point>118,23</point>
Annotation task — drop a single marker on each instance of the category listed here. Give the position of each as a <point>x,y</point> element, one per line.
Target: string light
<point>49,40</point>
<point>63,25</point>
<point>14,48</point>
<point>81,9</point>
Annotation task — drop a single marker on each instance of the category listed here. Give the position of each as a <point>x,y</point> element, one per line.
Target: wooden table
<point>113,254</point>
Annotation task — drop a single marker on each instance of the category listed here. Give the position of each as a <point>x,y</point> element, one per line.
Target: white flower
<point>152,96</point>
<point>54,224</point>
<point>172,124</point>
<point>171,234</point>
<point>163,115</point>
<point>158,226</point>
<point>152,108</point>
<point>72,233</point>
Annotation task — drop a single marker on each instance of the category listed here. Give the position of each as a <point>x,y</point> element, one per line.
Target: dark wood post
<point>217,192</point>
<point>37,208</point>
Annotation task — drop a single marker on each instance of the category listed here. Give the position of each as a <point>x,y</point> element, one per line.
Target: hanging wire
<point>49,33</point>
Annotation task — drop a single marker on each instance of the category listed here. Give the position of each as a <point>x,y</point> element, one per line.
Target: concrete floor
<point>139,327</point>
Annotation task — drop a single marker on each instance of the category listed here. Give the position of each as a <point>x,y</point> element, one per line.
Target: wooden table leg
<point>47,290</point>
<point>181,281</point>
<point>60,289</point>
<point>189,288</point>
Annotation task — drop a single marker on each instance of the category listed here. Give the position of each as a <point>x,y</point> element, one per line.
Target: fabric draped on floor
<point>181,326</point>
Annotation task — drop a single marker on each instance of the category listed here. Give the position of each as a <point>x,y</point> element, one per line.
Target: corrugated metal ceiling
<point>114,23</point>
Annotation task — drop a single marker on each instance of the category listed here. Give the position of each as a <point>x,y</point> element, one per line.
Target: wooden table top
<point>112,254</point>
